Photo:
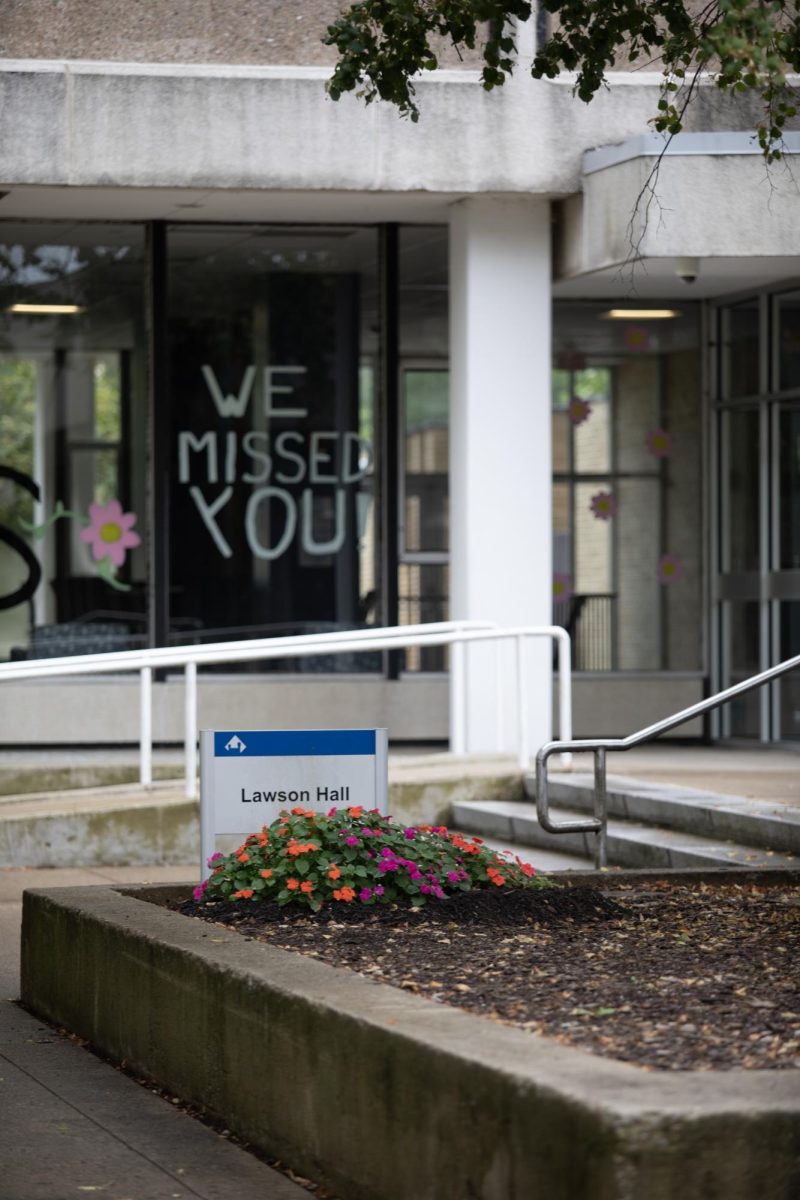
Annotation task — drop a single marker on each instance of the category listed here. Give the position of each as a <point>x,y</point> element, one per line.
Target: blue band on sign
<point>293,742</point>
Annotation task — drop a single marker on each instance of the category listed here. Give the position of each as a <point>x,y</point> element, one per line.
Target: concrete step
<point>630,844</point>
<point>742,819</point>
<point>546,862</point>
<point>112,826</point>
<point>50,773</point>
<point>131,825</point>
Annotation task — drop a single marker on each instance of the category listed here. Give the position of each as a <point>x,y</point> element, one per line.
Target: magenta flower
<point>670,568</point>
<point>351,841</point>
<point>659,443</point>
<point>214,858</point>
<point>199,891</point>
<point>410,833</point>
<point>110,533</point>
<point>579,410</point>
<point>364,894</point>
<point>603,506</point>
<point>378,891</point>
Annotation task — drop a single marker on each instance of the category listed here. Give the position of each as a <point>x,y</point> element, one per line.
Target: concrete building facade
<point>271,364</point>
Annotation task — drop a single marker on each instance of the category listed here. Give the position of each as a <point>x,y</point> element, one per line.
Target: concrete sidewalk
<point>73,1126</point>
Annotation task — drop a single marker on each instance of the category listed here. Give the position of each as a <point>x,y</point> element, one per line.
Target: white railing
<point>395,637</point>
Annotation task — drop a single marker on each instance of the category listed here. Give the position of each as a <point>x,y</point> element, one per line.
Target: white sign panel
<point>248,777</point>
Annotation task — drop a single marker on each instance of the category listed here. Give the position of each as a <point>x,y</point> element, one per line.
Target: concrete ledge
<point>146,826</point>
<point>386,1096</point>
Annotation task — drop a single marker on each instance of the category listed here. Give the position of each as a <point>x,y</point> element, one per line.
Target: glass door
<point>758,492</point>
<point>784,580</point>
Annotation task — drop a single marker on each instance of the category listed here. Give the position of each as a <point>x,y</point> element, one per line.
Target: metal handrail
<point>442,633</point>
<point>600,746</point>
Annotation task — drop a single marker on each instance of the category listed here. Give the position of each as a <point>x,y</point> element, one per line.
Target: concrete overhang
<point>711,198</point>
<point>234,137</point>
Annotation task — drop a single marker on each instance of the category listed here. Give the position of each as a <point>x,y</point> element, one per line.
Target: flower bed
<point>385,1095</point>
<point>351,855</point>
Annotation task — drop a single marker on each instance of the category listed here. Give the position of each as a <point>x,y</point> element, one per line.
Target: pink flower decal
<point>562,588</point>
<point>659,443</point>
<point>636,338</point>
<point>110,534</point>
<point>603,506</point>
<point>670,568</point>
<point>579,410</point>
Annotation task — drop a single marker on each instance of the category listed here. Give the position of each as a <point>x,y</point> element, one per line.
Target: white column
<point>500,456</point>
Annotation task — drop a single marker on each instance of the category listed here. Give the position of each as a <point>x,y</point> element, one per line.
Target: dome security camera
<point>687,269</point>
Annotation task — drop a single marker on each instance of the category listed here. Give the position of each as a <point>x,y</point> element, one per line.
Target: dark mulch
<point>663,974</point>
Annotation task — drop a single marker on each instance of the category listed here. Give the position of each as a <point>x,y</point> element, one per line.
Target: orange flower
<point>285,831</point>
<point>293,884</point>
<point>307,886</point>
<point>334,872</point>
<point>497,879</point>
<point>294,848</point>
<point>356,810</point>
<point>245,894</point>
<point>265,874</point>
<point>526,868</point>
<point>243,858</point>
<point>298,812</point>
<point>347,894</point>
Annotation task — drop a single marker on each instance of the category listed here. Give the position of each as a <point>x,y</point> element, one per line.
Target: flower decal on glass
<point>659,443</point>
<point>562,588</point>
<point>670,568</point>
<point>110,533</point>
<point>603,506</point>
<point>107,529</point>
<point>636,338</point>
<point>579,410</point>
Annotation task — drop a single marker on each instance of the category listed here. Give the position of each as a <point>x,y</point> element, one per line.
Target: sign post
<point>248,777</point>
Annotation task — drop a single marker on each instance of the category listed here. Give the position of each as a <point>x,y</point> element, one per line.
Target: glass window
<point>742,653</point>
<point>740,484</point>
<point>425,441</point>
<point>740,350</point>
<point>788,330</point>
<point>789,685</point>
<point>423,501</point>
<point>272,350</point>
<point>789,495</point>
<point>73,407</point>
<point>627,499</point>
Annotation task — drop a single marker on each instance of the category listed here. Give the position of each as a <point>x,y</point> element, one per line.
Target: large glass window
<point>72,445</point>
<point>424,435</point>
<point>272,347</point>
<point>626,502</point>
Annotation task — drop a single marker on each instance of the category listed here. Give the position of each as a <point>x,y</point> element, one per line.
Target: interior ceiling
<point>649,279</point>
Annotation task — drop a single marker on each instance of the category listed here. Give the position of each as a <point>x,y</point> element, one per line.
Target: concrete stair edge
<point>629,844</point>
<point>759,823</point>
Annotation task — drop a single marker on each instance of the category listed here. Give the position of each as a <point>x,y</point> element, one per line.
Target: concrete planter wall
<point>387,1096</point>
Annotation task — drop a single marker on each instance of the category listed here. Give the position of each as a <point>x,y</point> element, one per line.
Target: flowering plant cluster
<point>352,856</point>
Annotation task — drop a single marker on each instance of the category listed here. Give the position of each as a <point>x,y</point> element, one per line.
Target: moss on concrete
<point>386,1096</point>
